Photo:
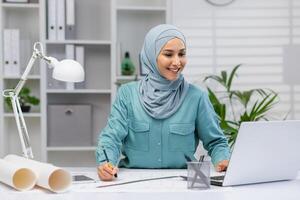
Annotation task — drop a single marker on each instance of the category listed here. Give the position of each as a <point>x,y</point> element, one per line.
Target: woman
<point>157,121</point>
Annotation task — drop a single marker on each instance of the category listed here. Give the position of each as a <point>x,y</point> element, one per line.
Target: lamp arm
<point>21,125</point>
<point>23,79</point>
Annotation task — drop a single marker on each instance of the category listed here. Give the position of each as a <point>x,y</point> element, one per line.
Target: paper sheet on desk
<point>126,175</point>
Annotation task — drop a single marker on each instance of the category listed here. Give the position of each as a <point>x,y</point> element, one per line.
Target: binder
<point>79,56</point>
<point>11,52</point>
<point>15,51</point>
<point>70,19</point>
<point>70,51</point>
<point>60,17</point>
<point>52,25</point>
<point>7,52</point>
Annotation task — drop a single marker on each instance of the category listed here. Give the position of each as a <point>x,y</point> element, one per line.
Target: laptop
<point>264,151</point>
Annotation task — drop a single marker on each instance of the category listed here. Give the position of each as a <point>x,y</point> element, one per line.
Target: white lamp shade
<point>68,70</point>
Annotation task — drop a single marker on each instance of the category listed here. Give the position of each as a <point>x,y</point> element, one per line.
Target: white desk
<point>172,189</point>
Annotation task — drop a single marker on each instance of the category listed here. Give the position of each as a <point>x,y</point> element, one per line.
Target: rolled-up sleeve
<point>115,131</point>
<point>209,131</point>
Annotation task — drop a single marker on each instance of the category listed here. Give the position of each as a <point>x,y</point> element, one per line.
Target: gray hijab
<point>160,97</point>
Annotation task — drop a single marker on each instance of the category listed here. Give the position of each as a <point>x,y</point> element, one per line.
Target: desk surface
<point>175,188</point>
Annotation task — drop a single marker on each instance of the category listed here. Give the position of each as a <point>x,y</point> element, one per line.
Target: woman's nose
<point>176,61</point>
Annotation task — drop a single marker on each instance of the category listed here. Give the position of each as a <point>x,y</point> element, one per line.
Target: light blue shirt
<point>160,143</point>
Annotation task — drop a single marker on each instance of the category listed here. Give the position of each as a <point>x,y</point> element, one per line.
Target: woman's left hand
<point>222,165</point>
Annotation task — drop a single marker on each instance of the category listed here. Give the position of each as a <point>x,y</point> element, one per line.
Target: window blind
<point>250,32</point>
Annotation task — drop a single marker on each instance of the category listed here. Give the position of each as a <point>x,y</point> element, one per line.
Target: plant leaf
<point>265,100</point>
<point>218,106</point>
<point>232,74</point>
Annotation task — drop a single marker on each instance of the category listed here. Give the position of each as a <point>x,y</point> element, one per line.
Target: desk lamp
<point>65,70</point>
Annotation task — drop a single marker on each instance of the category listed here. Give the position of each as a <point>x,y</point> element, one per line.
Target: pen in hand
<point>107,160</point>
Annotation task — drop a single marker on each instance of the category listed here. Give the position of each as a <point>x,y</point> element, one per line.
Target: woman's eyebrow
<point>171,50</point>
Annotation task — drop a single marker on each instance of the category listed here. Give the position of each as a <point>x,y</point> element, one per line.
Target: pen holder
<point>198,176</point>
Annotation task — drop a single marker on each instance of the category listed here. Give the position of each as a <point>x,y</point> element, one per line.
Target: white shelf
<point>88,148</point>
<point>24,114</point>
<point>87,42</point>
<point>20,5</point>
<point>83,91</point>
<point>126,77</point>
<point>30,77</point>
<point>141,8</point>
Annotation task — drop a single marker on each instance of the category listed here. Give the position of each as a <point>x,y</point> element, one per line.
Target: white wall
<point>251,32</point>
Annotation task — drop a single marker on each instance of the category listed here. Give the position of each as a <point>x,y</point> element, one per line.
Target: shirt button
<point>159,160</point>
<point>158,143</point>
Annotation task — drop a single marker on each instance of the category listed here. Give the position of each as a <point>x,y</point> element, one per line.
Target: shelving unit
<point>96,90</point>
<point>141,8</point>
<point>84,42</point>
<point>32,114</point>
<point>18,5</point>
<point>91,148</point>
<point>18,77</point>
<point>134,18</point>
<point>25,18</point>
<point>106,29</point>
<point>79,91</point>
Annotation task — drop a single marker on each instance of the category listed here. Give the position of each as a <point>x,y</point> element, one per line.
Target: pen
<point>107,160</point>
<point>201,158</point>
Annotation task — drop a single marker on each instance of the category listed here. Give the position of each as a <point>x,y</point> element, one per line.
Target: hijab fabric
<point>160,97</point>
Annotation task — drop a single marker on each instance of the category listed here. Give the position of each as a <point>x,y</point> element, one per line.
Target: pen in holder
<point>198,176</point>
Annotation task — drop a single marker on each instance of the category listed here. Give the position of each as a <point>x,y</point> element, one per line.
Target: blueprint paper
<point>48,176</point>
<point>18,177</point>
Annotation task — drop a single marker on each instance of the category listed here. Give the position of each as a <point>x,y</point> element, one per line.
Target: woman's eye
<point>181,54</point>
<point>168,55</point>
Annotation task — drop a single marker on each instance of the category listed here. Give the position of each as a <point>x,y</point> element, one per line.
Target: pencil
<point>107,160</point>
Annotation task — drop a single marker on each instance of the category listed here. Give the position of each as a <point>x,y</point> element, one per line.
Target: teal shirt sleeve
<point>214,141</point>
<point>112,135</point>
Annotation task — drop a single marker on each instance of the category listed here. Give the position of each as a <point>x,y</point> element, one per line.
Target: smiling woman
<point>158,120</point>
<point>171,59</point>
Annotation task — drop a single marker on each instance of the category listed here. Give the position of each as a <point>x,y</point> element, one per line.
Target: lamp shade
<point>68,70</point>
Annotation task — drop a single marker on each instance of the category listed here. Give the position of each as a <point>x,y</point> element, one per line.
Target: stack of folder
<point>11,38</point>
<point>61,19</point>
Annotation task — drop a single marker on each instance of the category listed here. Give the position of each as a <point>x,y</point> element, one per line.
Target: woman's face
<point>171,59</point>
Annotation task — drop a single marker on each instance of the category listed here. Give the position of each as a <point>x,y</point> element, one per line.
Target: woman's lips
<point>175,70</point>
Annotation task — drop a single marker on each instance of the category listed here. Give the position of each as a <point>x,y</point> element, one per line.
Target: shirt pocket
<point>182,137</point>
<point>138,136</point>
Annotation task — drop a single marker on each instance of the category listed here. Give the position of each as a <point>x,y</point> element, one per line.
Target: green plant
<point>25,99</point>
<point>234,106</point>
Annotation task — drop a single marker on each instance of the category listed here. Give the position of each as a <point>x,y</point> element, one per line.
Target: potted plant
<point>235,106</point>
<point>25,99</point>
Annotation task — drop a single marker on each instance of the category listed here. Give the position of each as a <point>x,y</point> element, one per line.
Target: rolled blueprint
<point>48,176</point>
<point>18,177</point>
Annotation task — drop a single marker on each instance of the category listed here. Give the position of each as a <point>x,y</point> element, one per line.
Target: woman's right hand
<point>107,171</point>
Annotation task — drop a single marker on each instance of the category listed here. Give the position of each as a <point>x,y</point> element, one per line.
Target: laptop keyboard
<point>217,178</point>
